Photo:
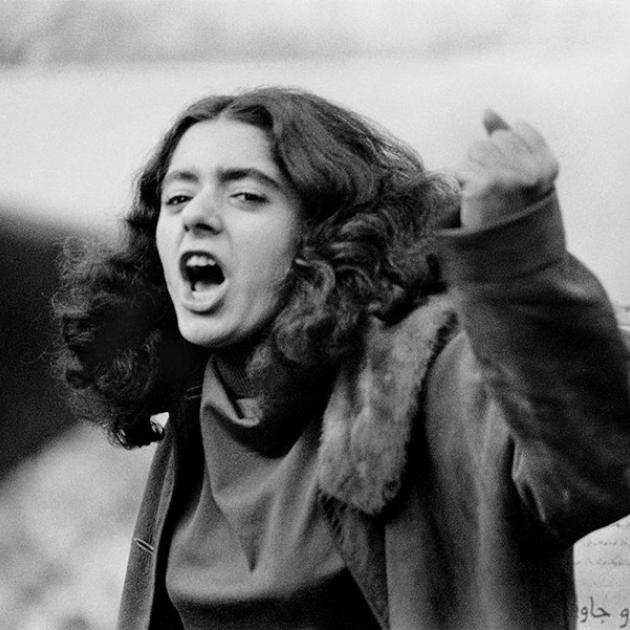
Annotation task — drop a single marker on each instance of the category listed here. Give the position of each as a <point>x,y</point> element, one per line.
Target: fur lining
<point>368,420</point>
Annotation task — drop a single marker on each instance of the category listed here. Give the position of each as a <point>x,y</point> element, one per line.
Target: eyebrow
<point>179,175</point>
<point>224,176</point>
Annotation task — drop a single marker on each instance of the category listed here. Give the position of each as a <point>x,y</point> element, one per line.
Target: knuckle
<point>533,177</point>
<point>548,169</point>
<point>524,128</point>
<point>527,131</point>
<point>502,133</point>
<point>478,149</point>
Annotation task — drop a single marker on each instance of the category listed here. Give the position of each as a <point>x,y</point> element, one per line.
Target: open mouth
<point>202,272</point>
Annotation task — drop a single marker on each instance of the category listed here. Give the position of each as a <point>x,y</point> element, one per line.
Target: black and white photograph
<point>314,315</point>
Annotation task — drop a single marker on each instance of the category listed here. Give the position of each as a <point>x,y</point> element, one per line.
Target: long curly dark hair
<point>370,209</point>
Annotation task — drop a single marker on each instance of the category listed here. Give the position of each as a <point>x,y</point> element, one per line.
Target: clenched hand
<point>504,173</point>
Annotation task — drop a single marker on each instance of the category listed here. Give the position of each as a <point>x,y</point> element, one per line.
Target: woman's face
<point>227,232</point>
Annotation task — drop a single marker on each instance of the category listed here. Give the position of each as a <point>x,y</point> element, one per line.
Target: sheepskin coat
<point>464,450</point>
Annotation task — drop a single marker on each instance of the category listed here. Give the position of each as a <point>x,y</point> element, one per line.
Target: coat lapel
<point>369,418</point>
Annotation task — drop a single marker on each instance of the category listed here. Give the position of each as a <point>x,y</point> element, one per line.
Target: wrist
<point>514,245</point>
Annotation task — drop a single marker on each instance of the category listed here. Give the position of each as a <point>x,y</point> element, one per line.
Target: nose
<point>202,214</point>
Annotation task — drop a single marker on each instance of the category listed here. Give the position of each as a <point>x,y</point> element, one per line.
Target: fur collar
<point>368,420</point>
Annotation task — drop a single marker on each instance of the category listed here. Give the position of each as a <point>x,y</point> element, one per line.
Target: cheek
<point>162,244</point>
<point>278,265</point>
<point>268,273</point>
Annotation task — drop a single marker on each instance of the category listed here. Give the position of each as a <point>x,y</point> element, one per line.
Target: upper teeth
<point>200,260</point>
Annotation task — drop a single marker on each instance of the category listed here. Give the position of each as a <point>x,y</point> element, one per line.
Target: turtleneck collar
<point>231,365</point>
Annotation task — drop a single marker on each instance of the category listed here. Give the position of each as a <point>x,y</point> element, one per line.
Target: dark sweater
<point>251,549</point>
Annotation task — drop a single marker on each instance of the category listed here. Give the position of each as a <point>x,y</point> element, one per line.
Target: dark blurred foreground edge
<point>32,409</point>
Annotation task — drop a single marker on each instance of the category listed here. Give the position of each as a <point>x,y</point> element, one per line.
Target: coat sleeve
<point>545,338</point>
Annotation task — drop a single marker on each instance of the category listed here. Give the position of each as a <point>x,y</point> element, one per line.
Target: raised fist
<point>502,174</point>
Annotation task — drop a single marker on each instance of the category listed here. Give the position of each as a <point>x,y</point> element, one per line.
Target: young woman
<point>393,403</point>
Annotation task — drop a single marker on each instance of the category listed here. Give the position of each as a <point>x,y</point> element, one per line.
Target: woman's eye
<point>176,200</point>
<point>249,197</point>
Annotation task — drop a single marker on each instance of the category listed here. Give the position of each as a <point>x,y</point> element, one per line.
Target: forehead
<point>223,142</point>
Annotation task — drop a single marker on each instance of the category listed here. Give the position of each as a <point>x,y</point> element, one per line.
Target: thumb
<point>493,122</point>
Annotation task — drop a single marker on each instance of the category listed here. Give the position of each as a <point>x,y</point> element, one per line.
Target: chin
<point>200,335</point>
<point>213,332</point>
<point>213,339</point>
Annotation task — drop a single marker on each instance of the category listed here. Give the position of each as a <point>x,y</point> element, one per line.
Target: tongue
<point>203,285</point>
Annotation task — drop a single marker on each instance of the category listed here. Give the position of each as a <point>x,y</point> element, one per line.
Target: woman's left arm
<point>543,333</point>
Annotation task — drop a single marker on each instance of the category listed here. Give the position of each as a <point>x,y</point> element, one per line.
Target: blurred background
<point>87,87</point>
